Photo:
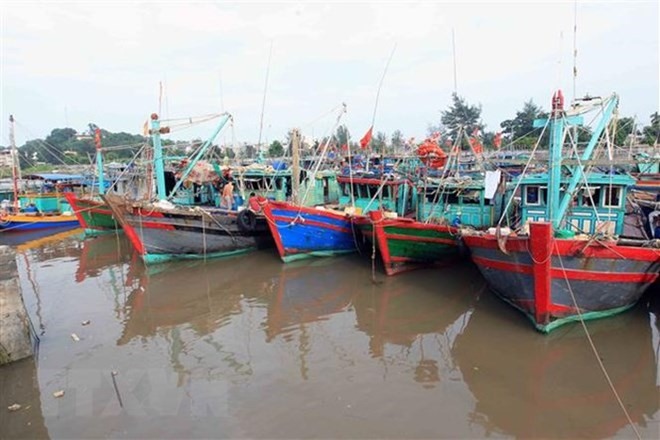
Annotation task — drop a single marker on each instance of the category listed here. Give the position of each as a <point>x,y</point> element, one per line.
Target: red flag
<point>367,138</point>
<point>477,148</point>
<point>498,140</point>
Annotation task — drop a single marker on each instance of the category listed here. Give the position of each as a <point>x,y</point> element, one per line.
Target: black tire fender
<point>246,220</point>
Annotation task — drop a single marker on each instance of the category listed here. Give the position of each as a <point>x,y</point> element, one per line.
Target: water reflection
<point>102,252</point>
<point>18,382</point>
<point>529,385</point>
<point>249,347</point>
<point>38,237</point>
<point>394,315</point>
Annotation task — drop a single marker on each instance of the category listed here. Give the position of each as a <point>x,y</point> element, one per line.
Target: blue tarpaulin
<point>54,177</point>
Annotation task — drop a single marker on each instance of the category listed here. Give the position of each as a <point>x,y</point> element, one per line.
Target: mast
<point>557,122</point>
<point>578,171</point>
<point>99,160</point>
<point>200,152</point>
<point>159,162</point>
<point>295,166</point>
<point>263,102</point>
<point>554,166</point>
<point>15,168</point>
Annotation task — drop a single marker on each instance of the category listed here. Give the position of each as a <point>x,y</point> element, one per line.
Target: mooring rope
<point>594,349</point>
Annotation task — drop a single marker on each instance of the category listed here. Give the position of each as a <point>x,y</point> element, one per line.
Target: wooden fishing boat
<point>429,235</point>
<point>94,216</point>
<point>319,231</point>
<point>544,268</point>
<point>161,231</point>
<point>41,209</point>
<point>406,244</point>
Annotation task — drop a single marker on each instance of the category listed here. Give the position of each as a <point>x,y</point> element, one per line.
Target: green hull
<point>99,222</point>
<point>314,254</point>
<point>163,258</point>
<point>404,247</point>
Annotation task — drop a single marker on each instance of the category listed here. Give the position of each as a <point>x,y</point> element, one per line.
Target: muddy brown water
<point>252,348</point>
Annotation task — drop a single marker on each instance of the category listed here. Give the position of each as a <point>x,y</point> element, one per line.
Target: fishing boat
<point>325,230</point>
<point>430,236</point>
<point>566,258</point>
<point>162,230</point>
<point>93,214</point>
<point>41,209</point>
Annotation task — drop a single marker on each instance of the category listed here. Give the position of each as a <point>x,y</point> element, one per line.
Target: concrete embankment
<point>15,334</point>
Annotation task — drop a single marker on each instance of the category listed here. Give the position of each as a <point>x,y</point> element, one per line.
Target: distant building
<point>5,158</point>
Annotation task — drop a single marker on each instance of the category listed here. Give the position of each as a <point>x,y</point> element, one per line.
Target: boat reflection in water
<point>101,252</point>
<point>529,385</point>
<point>249,347</point>
<point>419,327</point>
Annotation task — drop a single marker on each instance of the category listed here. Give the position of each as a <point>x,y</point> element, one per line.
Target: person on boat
<point>253,203</point>
<point>31,209</point>
<point>228,195</point>
<point>654,223</point>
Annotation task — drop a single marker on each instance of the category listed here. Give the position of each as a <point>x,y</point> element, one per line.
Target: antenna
<point>380,85</point>
<point>453,45</point>
<point>559,59</point>
<point>160,97</point>
<point>263,102</point>
<point>222,97</point>
<point>574,47</point>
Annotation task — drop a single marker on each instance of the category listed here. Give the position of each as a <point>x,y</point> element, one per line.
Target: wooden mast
<point>295,166</point>
<point>15,168</point>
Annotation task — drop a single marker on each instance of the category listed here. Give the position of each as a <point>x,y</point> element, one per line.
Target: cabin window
<point>590,196</point>
<point>387,192</point>
<point>532,195</point>
<point>612,197</point>
<point>431,195</point>
<point>471,197</point>
<point>451,198</point>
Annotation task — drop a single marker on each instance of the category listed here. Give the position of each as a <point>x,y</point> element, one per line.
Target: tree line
<point>458,122</point>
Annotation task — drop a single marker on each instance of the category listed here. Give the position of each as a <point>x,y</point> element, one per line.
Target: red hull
<point>546,277</point>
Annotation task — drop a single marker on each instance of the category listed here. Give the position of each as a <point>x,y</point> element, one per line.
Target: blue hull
<point>37,225</point>
<point>308,232</point>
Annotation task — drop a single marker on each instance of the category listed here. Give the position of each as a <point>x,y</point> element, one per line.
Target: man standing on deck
<point>228,195</point>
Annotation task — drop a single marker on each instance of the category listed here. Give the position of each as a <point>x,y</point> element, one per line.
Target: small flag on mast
<point>364,142</point>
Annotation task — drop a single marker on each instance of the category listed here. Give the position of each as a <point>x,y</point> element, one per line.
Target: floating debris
<point>75,337</point>
<point>14,407</point>
<point>59,393</point>
<point>86,322</point>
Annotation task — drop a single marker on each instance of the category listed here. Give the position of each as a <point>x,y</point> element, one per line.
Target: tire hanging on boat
<point>246,220</point>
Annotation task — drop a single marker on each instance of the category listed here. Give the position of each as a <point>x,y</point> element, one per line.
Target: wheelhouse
<point>597,206</point>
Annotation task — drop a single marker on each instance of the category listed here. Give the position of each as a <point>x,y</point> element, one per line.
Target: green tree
<point>379,142</point>
<point>276,149</point>
<point>461,115</point>
<point>229,152</point>
<point>342,136</point>
<point>652,132</point>
<point>624,128</point>
<point>520,128</point>
<point>397,141</point>
<point>59,136</point>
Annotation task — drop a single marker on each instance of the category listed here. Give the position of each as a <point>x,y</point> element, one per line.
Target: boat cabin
<point>397,195</point>
<point>458,202</point>
<point>598,207</point>
<point>323,190</point>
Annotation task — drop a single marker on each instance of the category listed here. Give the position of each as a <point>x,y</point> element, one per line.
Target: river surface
<point>252,348</point>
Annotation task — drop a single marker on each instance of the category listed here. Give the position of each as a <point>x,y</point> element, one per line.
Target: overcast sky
<point>68,64</point>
